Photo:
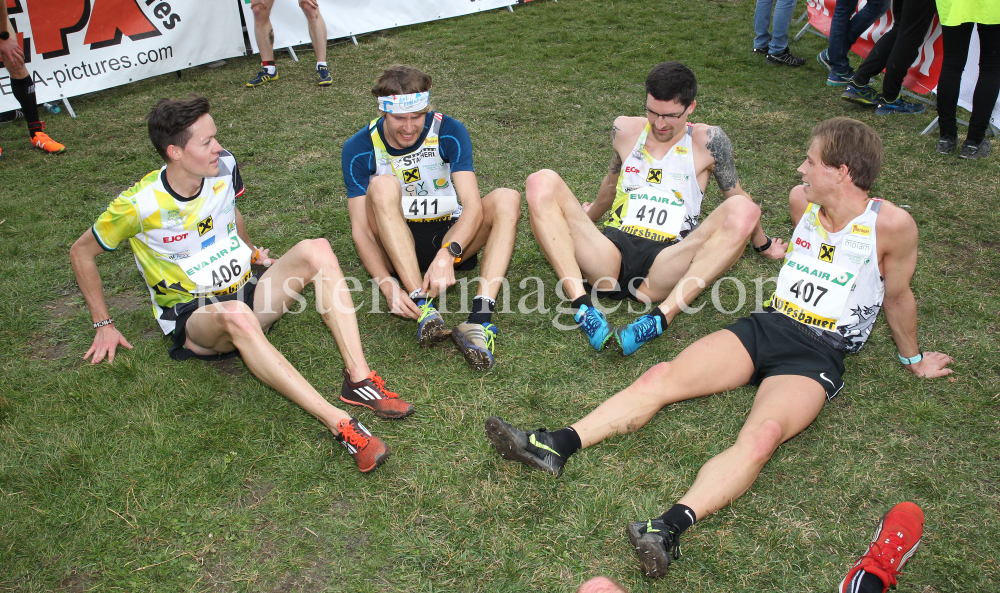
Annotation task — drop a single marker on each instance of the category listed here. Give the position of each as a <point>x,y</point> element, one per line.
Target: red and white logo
<point>175,238</point>
<point>801,243</point>
<point>631,170</point>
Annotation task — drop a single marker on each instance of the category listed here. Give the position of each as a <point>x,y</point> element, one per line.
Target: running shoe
<point>595,325</point>
<point>896,539</point>
<point>262,77</point>
<point>532,448</point>
<point>430,325</point>
<point>367,450</point>
<point>476,341</point>
<point>824,59</point>
<point>841,78</point>
<point>861,95</point>
<point>42,142</point>
<point>323,73</point>
<point>786,58</point>
<point>886,107</point>
<point>972,151</point>
<point>637,333</point>
<point>1,153</point>
<point>760,50</point>
<point>371,393</point>
<point>8,116</point>
<point>946,144</point>
<point>655,543</point>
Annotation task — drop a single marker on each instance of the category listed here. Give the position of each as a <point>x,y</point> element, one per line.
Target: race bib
<point>654,213</point>
<point>811,291</point>
<point>221,269</point>
<point>427,208</point>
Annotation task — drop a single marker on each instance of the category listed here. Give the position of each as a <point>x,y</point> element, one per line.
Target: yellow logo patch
<point>681,150</point>
<point>411,175</point>
<point>204,226</point>
<point>826,252</point>
<point>219,186</point>
<point>861,230</point>
<point>655,176</point>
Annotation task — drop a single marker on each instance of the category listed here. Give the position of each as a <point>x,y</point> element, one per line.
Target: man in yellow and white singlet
<point>653,248</point>
<point>849,257</point>
<point>194,252</point>
<point>417,216</point>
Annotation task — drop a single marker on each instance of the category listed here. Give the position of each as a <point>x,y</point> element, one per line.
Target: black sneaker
<point>946,144</point>
<point>655,543</point>
<point>760,50</point>
<point>972,151</point>
<point>887,107</point>
<point>863,95</point>
<point>785,58</point>
<point>532,448</point>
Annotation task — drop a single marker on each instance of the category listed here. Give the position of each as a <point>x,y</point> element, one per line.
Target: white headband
<point>404,103</point>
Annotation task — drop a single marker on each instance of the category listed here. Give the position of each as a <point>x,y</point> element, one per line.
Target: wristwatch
<point>4,35</point>
<point>454,249</point>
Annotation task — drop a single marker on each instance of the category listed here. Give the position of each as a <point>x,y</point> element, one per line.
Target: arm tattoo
<point>616,161</point>
<point>721,150</point>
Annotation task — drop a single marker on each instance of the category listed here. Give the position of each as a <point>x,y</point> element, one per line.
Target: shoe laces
<point>644,328</point>
<point>671,541</point>
<point>426,309</point>
<point>353,436</point>
<point>591,322</point>
<point>887,552</point>
<point>379,384</point>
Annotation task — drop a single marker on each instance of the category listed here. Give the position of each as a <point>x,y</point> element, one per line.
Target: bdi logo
<point>175,238</point>
<point>106,21</point>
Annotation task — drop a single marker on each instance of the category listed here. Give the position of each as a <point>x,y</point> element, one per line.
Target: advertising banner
<point>355,17</point>
<point>74,47</point>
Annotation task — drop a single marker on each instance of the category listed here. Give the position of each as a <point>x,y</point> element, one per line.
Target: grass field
<point>153,475</point>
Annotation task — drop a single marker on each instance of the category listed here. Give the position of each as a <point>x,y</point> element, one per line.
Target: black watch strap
<point>763,247</point>
<point>4,35</point>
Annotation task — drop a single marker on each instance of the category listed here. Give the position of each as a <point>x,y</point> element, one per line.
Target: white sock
<point>318,64</point>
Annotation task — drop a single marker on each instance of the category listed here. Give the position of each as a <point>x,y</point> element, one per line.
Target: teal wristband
<point>909,361</point>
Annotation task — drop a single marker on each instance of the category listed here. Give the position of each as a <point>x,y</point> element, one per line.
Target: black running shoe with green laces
<point>532,448</point>
<point>865,95</point>
<point>655,543</point>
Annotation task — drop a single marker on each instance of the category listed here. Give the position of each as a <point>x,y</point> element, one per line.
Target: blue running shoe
<point>886,107</point>
<point>638,333</point>
<point>824,58</point>
<point>476,341</point>
<point>840,78</point>
<point>861,95</point>
<point>323,73</point>
<point>595,325</point>
<point>262,77</point>
<point>430,324</point>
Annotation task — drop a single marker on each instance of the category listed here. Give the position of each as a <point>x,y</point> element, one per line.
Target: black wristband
<point>107,321</point>
<point>763,247</point>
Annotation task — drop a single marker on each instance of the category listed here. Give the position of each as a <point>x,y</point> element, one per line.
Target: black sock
<point>680,516</point>
<point>663,318</point>
<point>482,310</point>
<point>871,584</point>
<point>24,91</point>
<point>584,300</point>
<point>566,441</point>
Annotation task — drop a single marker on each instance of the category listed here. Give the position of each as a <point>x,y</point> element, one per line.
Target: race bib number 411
<point>654,213</point>
<point>221,270</point>
<point>811,291</point>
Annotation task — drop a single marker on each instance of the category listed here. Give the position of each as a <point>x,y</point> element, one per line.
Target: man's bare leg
<point>317,28</point>
<point>383,202</point>
<point>501,211</point>
<point>262,30</point>
<point>567,236</point>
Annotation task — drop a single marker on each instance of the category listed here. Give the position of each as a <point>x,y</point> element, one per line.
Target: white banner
<point>82,46</point>
<point>354,17</point>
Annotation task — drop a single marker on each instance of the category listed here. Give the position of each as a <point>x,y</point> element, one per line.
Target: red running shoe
<point>896,539</point>
<point>371,393</point>
<point>367,450</point>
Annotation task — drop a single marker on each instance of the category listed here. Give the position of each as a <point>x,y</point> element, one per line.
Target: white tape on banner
<point>81,46</point>
<point>345,18</point>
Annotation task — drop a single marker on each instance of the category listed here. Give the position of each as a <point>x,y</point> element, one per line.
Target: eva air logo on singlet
<point>813,291</point>
<point>220,269</point>
<point>654,213</point>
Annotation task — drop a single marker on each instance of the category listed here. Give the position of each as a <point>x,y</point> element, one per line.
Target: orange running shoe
<point>896,539</point>
<point>1,153</point>
<point>42,142</point>
<point>371,393</point>
<point>367,450</point>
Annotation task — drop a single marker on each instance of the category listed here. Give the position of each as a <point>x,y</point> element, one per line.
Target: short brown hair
<point>170,122</point>
<point>401,80</point>
<point>849,142</point>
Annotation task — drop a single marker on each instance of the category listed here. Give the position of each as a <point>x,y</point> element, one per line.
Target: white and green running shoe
<point>476,341</point>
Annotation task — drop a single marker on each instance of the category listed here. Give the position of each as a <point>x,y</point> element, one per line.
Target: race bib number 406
<point>811,291</point>
<point>221,270</point>
<point>654,213</point>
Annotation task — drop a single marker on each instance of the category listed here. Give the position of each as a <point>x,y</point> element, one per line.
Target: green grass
<point>153,475</point>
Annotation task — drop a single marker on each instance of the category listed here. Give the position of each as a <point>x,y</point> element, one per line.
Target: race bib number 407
<point>654,213</point>
<point>811,291</point>
<point>221,270</point>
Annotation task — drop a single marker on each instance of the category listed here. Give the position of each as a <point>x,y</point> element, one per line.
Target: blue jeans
<point>845,30</point>
<point>777,42</point>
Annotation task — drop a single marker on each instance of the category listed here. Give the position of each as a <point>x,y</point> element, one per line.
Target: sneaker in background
<point>367,450</point>
<point>637,333</point>
<point>476,341</point>
<point>896,539</point>
<point>972,151</point>
<point>371,393</point>
<point>595,325</point>
<point>786,58</point>
<point>860,95</point>
<point>532,448</point>
<point>655,543</point>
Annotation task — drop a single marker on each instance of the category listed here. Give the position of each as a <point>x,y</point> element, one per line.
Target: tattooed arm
<point>606,193</point>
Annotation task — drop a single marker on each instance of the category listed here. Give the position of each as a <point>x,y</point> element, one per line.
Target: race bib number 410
<point>811,291</point>
<point>654,213</point>
<point>221,270</point>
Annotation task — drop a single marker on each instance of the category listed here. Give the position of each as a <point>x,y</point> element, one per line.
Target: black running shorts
<point>183,312</point>
<point>427,239</point>
<point>778,346</point>
<point>637,254</point>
